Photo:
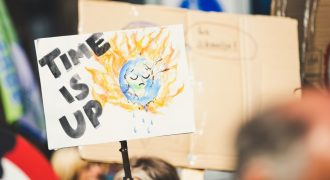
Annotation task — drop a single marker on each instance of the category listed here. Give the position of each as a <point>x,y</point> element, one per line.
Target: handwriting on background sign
<point>221,41</point>
<point>205,42</point>
<point>92,108</point>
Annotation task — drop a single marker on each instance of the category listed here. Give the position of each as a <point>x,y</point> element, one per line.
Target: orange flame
<point>153,46</point>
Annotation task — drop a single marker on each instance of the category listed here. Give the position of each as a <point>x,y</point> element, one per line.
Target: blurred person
<point>204,5</point>
<point>150,168</point>
<point>19,159</point>
<point>69,166</point>
<point>290,141</point>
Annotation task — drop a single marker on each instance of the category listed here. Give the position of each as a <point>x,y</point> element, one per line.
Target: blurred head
<point>69,166</point>
<point>290,141</point>
<point>150,168</point>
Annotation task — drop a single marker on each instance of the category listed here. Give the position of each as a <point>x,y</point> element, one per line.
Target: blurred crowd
<point>288,141</point>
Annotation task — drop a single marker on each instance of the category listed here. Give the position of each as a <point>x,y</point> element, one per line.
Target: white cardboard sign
<point>114,86</point>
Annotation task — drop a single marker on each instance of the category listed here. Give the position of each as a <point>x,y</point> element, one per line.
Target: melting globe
<point>139,81</point>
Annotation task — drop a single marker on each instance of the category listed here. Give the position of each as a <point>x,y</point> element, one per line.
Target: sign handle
<point>124,153</point>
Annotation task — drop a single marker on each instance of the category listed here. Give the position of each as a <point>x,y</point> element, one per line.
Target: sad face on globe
<point>139,80</point>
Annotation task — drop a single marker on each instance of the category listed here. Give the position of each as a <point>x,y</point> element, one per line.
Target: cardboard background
<point>240,65</point>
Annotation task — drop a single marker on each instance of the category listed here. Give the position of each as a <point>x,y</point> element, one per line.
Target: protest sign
<point>115,86</point>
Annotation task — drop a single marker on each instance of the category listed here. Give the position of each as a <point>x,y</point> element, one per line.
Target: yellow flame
<point>153,46</point>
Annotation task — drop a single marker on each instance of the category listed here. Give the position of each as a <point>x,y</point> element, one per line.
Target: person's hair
<point>150,168</point>
<point>270,136</point>
<point>67,163</point>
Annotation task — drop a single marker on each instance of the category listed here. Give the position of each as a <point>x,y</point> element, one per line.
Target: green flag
<point>28,109</point>
<point>9,83</point>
